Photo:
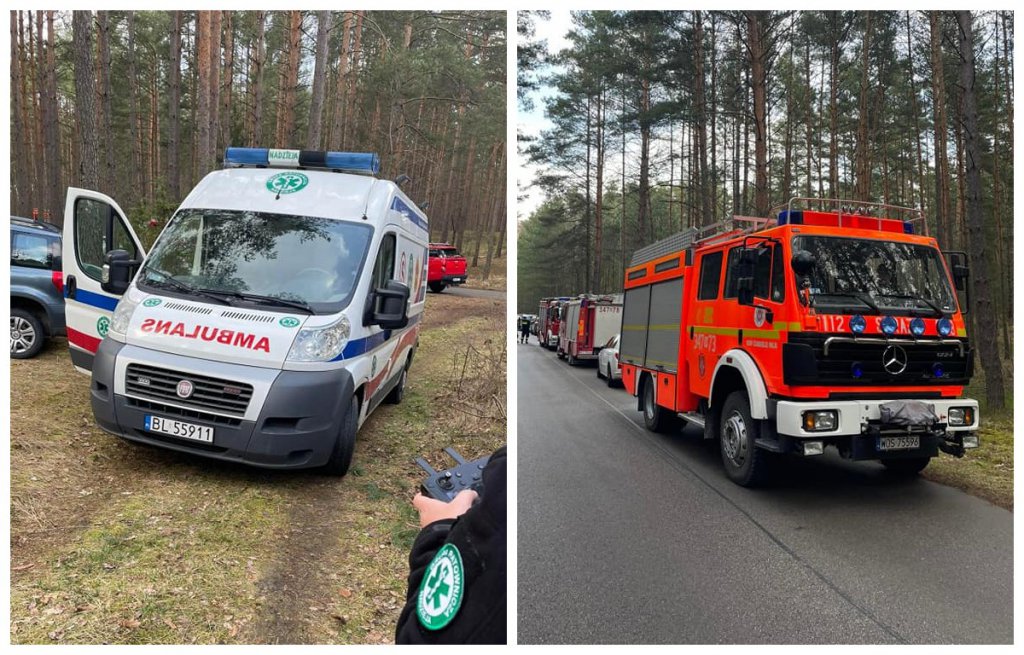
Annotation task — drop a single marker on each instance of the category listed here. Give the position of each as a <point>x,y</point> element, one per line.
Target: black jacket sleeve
<point>481,538</point>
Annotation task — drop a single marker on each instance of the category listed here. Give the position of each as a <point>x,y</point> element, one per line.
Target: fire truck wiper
<point>175,283</point>
<point>863,297</point>
<point>935,308</point>
<point>266,300</point>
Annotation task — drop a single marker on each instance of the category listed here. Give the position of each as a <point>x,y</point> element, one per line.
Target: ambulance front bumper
<point>857,428</point>
<point>298,419</point>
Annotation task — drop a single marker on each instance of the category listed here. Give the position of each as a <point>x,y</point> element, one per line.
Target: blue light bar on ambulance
<point>357,162</point>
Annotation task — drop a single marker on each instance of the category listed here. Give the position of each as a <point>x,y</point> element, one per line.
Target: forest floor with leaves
<point>113,542</point>
<point>497,280</point>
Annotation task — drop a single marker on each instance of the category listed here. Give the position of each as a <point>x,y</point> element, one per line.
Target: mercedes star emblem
<point>894,360</point>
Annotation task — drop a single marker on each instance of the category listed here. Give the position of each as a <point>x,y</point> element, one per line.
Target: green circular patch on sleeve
<point>441,590</point>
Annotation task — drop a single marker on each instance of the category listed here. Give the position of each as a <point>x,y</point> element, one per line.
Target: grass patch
<point>117,543</point>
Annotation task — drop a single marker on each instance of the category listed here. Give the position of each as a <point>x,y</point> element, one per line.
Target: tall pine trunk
<point>173,110</point>
<point>316,104</point>
<point>85,101</point>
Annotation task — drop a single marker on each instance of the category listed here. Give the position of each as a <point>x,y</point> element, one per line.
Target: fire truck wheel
<point>436,287</point>
<point>341,456</point>
<point>905,467</point>
<point>656,418</point>
<point>395,395</point>
<point>745,464</point>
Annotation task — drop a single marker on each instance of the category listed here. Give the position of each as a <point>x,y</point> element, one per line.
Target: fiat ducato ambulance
<point>277,309</point>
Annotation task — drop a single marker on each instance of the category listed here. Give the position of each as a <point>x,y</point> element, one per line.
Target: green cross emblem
<point>441,591</point>
<point>151,302</point>
<point>287,182</point>
<point>103,325</point>
<point>289,321</point>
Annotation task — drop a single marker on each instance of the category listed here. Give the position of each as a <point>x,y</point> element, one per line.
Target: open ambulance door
<point>93,226</point>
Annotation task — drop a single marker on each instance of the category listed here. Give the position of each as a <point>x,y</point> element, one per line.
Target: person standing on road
<point>524,329</point>
<point>457,567</point>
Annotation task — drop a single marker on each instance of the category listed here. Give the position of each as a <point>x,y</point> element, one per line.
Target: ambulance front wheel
<point>745,463</point>
<point>345,445</point>
<point>656,418</point>
<point>436,287</point>
<point>395,395</point>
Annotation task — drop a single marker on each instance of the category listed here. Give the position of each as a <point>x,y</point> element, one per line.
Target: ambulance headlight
<point>123,313</point>
<point>320,344</point>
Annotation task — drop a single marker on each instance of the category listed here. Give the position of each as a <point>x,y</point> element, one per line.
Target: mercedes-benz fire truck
<point>822,327</point>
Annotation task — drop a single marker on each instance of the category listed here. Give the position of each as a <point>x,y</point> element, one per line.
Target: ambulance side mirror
<point>392,306</point>
<point>117,272</point>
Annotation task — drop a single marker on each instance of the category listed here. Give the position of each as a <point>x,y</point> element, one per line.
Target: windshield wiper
<point>935,308</point>
<point>267,300</point>
<point>175,283</point>
<point>862,297</point>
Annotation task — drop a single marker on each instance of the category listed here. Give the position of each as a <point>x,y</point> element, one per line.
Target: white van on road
<point>277,309</point>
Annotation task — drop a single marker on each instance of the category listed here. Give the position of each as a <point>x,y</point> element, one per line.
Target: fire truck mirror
<point>803,262</point>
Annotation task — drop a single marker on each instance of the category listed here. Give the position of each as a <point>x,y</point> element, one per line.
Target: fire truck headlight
<point>857,324</point>
<point>889,325</point>
<point>321,344</point>
<point>960,416</point>
<point>820,420</point>
<point>945,326</point>
<point>917,326</point>
<point>123,312</point>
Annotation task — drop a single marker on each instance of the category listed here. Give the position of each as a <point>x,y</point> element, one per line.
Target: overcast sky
<point>532,122</point>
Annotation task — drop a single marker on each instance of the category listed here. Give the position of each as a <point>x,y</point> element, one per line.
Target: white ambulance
<point>277,309</point>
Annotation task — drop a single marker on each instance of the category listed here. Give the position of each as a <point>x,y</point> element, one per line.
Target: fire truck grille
<point>897,363</point>
<point>208,394</point>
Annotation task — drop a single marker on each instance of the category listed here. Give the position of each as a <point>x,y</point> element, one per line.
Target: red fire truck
<point>822,327</point>
<point>549,316</point>
<point>446,267</point>
<point>590,321</point>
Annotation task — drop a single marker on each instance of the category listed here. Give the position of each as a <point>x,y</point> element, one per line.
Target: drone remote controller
<point>446,484</point>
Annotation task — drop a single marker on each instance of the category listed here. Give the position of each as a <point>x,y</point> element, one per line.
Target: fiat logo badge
<point>185,389</point>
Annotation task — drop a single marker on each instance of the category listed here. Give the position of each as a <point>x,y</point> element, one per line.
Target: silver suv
<point>37,286</point>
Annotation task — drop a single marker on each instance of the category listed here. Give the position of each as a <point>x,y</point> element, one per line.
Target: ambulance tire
<point>395,395</point>
<point>656,418</point>
<point>345,445</point>
<point>745,464</point>
<point>908,467</point>
<point>436,287</point>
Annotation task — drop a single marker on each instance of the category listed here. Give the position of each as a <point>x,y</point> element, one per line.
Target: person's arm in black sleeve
<point>480,536</point>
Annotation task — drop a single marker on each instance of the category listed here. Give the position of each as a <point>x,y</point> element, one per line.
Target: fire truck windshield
<point>854,275</point>
<point>261,257</point>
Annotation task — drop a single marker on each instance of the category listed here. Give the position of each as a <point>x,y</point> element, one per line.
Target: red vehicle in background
<point>446,267</point>
<point>588,323</point>
<point>549,316</point>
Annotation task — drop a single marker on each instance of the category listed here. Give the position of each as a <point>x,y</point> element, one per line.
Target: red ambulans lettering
<point>207,333</point>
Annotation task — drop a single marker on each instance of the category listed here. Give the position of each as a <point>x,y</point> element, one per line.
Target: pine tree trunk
<point>18,190</point>
<point>350,91</point>
<point>316,104</point>
<point>104,101</point>
<point>917,120</point>
<point>288,81</point>
<point>51,129</point>
<point>173,110</point>
<point>340,92</point>
<point>216,37</point>
<point>701,120</point>
<point>256,79</point>
<point>85,101</point>
<point>759,80</point>
<point>943,219</point>
<point>203,48</point>
<point>227,80</point>
<point>984,309</point>
<point>833,109</point>
<point>863,145</point>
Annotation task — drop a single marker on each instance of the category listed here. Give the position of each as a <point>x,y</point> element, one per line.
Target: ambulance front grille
<point>209,394</point>
<point>246,316</point>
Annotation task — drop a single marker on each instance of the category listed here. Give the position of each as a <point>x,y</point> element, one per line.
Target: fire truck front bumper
<point>878,429</point>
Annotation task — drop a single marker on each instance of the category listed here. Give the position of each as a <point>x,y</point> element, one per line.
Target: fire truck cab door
<point>93,226</point>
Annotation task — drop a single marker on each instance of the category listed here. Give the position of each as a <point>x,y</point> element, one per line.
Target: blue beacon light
<point>945,326</point>
<point>363,162</point>
<point>889,325</point>
<point>856,370</point>
<point>857,323</point>
<point>917,326</point>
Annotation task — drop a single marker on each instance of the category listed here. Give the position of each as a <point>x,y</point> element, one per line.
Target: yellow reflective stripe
<point>702,329</point>
<point>665,326</point>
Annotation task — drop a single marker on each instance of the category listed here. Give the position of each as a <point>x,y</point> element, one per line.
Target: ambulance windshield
<point>259,257</point>
<point>870,275</point>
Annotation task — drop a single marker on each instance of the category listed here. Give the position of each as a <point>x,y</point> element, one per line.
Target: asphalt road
<point>475,293</point>
<point>626,536</point>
